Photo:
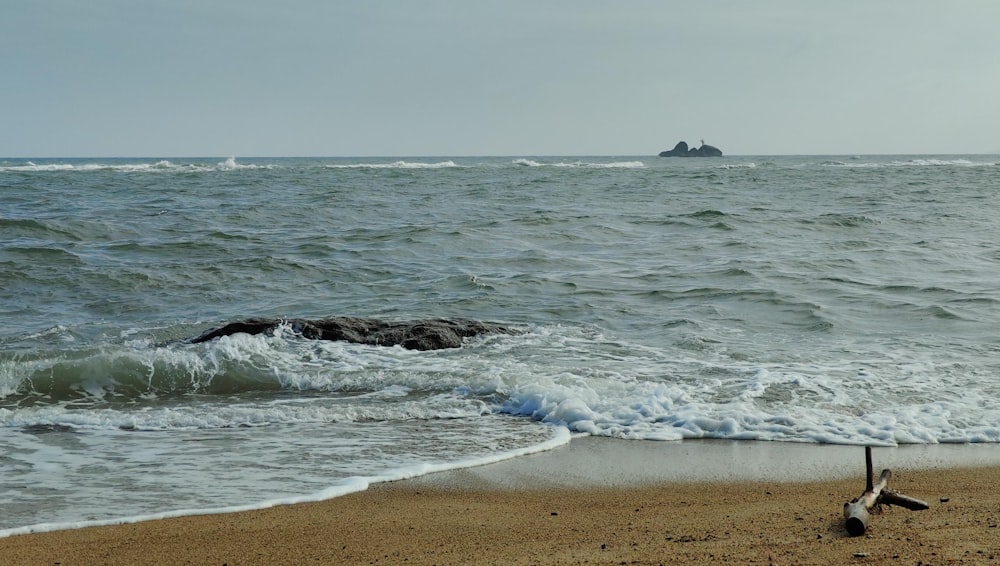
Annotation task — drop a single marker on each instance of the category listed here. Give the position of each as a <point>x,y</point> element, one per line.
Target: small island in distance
<point>682,150</point>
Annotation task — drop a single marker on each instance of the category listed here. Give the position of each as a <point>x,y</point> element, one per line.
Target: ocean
<point>812,299</point>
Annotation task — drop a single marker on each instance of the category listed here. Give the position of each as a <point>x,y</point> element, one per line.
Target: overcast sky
<point>506,77</point>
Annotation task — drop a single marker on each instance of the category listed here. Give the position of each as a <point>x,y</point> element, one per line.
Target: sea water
<point>844,299</point>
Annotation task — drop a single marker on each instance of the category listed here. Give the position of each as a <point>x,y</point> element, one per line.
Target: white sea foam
<point>524,162</point>
<point>935,162</point>
<point>812,402</point>
<point>29,166</point>
<point>396,165</point>
<point>863,163</point>
<point>632,396</point>
<point>231,164</point>
<point>614,165</point>
<point>161,166</point>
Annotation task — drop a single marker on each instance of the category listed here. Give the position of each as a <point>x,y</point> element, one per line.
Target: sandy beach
<point>595,501</point>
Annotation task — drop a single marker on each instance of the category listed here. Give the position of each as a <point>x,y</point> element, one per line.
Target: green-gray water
<point>820,299</point>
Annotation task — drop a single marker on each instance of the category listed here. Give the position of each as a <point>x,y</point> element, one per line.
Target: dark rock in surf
<point>682,150</point>
<point>428,334</point>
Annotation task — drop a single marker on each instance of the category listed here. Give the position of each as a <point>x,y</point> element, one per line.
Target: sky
<point>497,77</point>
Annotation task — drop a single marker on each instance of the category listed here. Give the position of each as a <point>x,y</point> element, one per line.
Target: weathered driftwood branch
<point>858,512</point>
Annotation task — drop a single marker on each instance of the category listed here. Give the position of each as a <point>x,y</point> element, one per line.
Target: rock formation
<point>682,150</point>
<point>429,334</point>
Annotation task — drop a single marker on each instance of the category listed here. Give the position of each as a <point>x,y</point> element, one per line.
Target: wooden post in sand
<point>858,512</point>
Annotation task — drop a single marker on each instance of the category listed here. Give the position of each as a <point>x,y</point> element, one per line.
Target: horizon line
<point>467,156</point>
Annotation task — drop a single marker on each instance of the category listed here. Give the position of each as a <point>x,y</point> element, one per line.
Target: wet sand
<point>594,501</point>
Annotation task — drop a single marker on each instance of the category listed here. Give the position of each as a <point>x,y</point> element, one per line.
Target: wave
<point>562,375</point>
<point>840,220</point>
<point>396,165</point>
<point>520,162</point>
<point>237,381</point>
<point>527,163</point>
<point>140,370</point>
<point>708,213</point>
<point>581,164</point>
<point>30,227</point>
<point>230,164</point>
<point>161,166</point>
<point>856,163</point>
<point>87,167</point>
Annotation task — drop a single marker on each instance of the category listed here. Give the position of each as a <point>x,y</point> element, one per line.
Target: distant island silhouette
<point>682,150</point>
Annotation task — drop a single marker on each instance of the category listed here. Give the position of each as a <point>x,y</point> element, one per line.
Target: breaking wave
<point>524,162</point>
<point>396,165</point>
<point>160,166</point>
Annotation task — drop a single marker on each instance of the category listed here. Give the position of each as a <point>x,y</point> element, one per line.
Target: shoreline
<point>593,500</point>
<point>589,461</point>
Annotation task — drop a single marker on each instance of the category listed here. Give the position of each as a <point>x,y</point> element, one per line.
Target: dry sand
<point>592,502</point>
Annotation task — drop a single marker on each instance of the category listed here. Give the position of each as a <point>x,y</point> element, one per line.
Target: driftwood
<point>858,512</point>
